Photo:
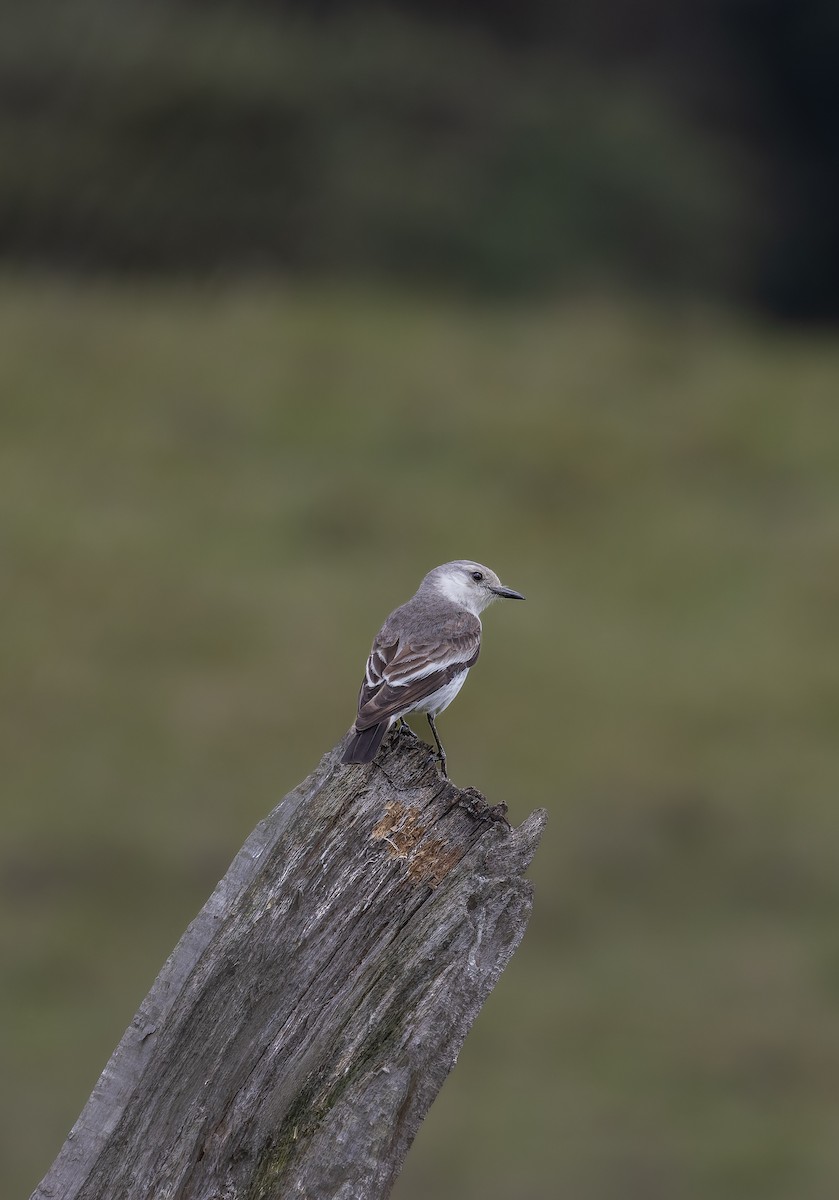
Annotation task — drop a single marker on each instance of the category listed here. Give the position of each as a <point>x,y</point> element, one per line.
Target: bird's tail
<point>364,744</point>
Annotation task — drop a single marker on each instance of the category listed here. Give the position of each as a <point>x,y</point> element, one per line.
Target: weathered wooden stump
<point>301,1028</point>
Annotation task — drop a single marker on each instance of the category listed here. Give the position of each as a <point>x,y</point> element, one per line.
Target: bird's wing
<point>402,674</point>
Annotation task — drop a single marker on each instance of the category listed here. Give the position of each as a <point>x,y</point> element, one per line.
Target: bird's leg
<point>404,727</point>
<point>440,751</point>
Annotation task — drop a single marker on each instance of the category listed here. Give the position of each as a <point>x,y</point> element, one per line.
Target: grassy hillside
<point>208,503</point>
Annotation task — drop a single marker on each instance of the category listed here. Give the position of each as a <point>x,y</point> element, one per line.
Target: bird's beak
<point>507,593</point>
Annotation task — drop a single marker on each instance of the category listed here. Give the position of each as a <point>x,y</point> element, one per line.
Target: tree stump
<point>298,1033</point>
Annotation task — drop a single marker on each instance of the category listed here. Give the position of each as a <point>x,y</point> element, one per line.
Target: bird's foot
<point>405,728</point>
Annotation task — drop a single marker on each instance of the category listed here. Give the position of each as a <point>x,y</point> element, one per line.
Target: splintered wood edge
<point>474,860</point>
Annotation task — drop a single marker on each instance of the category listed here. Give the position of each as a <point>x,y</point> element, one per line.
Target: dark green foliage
<point>162,137</point>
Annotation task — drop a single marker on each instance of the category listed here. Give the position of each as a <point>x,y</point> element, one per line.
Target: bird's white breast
<point>442,698</point>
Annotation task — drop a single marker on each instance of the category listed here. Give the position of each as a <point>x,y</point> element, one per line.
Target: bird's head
<point>469,584</point>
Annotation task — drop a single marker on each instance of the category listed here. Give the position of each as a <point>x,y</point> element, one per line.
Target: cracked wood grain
<point>300,1030</point>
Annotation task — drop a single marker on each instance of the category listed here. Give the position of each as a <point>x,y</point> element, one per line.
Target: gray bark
<point>301,1028</point>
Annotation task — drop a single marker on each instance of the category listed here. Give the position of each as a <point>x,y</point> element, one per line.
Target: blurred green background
<point>299,302</point>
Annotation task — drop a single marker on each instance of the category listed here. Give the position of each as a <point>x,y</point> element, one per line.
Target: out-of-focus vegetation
<point>519,149</point>
<point>210,500</point>
<point>237,424</point>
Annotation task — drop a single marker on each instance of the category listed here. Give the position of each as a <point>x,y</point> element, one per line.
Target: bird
<point>423,653</point>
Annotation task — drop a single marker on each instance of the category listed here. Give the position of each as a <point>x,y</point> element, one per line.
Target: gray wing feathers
<point>401,673</point>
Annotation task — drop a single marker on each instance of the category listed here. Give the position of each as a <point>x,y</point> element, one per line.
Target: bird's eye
<point>477,576</point>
